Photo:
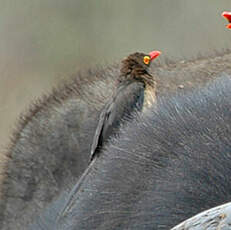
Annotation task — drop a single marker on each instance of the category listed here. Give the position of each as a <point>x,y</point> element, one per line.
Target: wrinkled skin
<point>166,166</point>
<point>51,146</point>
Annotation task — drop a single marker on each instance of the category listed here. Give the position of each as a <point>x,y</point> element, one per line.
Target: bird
<point>227,15</point>
<point>136,89</point>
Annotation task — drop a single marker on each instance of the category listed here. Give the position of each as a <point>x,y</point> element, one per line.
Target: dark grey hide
<point>50,147</point>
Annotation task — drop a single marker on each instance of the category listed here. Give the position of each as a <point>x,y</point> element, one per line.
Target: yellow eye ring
<point>146,60</point>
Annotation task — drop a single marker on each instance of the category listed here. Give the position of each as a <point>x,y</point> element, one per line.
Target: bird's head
<point>227,15</point>
<point>136,65</point>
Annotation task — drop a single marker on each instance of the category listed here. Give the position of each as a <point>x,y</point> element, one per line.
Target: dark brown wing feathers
<point>128,96</point>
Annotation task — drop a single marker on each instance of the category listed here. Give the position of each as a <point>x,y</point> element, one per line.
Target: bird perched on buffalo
<point>227,15</point>
<point>135,90</point>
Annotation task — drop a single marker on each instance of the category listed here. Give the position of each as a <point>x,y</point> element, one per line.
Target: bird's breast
<point>149,96</point>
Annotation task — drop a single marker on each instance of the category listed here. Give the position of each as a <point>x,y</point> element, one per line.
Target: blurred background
<point>45,41</point>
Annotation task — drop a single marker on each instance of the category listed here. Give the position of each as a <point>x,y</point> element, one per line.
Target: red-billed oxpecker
<point>136,89</point>
<point>227,15</point>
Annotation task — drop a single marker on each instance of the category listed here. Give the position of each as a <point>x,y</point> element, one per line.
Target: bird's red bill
<point>154,54</point>
<point>227,15</point>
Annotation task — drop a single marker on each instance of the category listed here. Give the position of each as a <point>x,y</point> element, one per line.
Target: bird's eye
<point>146,60</point>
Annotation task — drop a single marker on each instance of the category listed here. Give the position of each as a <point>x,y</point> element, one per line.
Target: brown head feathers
<point>136,65</point>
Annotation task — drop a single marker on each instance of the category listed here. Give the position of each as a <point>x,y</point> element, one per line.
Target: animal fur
<point>52,139</point>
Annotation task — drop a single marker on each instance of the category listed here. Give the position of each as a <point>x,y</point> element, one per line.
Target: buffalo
<point>50,147</point>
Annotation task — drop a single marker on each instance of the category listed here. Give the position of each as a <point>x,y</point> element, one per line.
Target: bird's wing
<point>128,97</point>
